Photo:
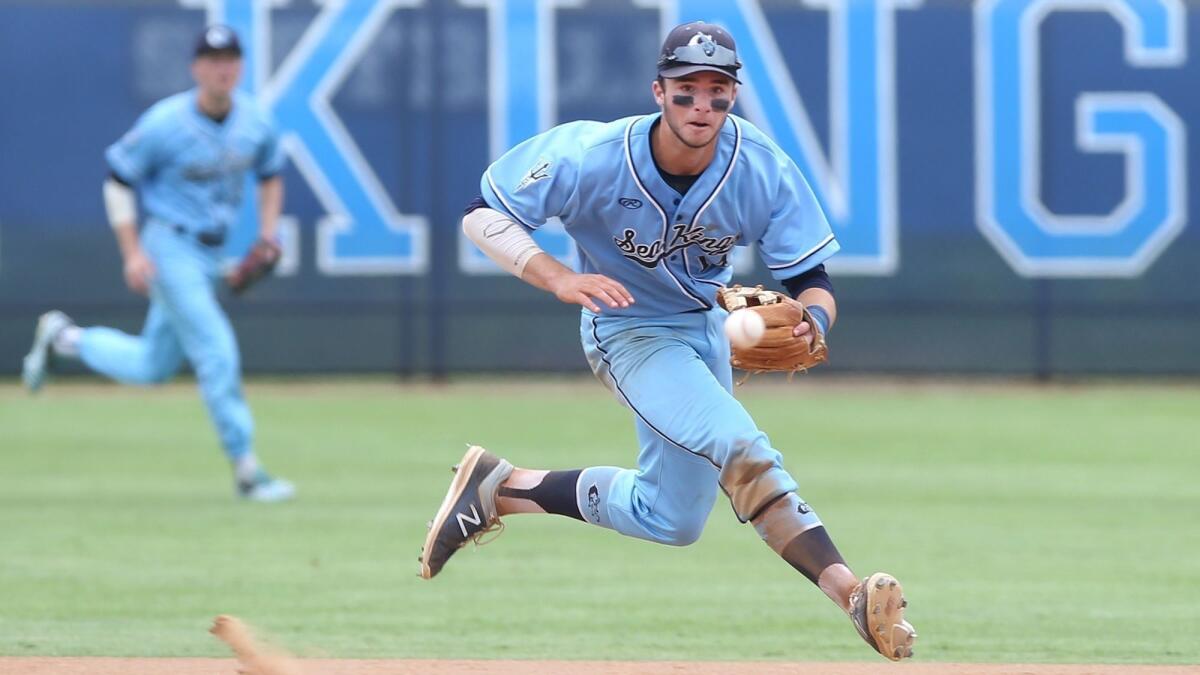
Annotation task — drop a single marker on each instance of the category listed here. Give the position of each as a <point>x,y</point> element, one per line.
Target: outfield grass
<point>1053,525</point>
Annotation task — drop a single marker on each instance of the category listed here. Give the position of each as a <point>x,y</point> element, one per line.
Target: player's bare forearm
<point>546,273</point>
<point>822,297</point>
<point>120,205</point>
<point>543,271</point>
<point>511,247</point>
<point>137,268</point>
<point>270,205</point>
<point>127,240</point>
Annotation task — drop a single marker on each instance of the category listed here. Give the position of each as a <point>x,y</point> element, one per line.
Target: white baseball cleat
<point>264,488</point>
<point>40,357</point>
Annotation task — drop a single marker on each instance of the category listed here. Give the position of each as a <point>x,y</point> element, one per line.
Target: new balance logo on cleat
<point>468,511</point>
<point>463,519</point>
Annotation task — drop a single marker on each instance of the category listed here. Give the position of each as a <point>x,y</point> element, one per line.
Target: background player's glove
<point>778,350</point>
<point>258,262</point>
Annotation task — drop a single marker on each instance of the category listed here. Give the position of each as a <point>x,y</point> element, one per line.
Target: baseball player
<point>656,204</point>
<point>188,156</point>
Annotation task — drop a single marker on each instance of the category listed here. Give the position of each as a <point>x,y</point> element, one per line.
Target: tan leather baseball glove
<point>778,350</point>
<point>257,263</point>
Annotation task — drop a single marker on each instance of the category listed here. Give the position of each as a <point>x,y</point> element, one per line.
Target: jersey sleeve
<point>270,159</point>
<point>798,236</point>
<point>536,180</point>
<point>136,154</point>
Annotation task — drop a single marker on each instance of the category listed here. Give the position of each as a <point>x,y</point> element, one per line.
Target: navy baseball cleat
<point>877,610</point>
<point>468,511</point>
<point>40,358</point>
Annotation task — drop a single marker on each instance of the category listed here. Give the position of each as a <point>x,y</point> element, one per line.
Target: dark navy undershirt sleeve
<point>476,203</point>
<point>814,278</point>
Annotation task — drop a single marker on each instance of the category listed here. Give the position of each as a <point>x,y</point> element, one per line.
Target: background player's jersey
<point>191,170</point>
<point>670,250</point>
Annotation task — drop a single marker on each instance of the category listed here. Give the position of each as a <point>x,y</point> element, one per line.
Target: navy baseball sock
<point>811,552</point>
<point>555,494</point>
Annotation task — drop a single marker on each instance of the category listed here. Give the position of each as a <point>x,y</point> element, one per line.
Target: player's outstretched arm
<point>270,205</point>
<point>546,273</point>
<point>264,255</point>
<point>511,247</point>
<point>120,204</point>
<point>814,290</point>
<point>816,297</point>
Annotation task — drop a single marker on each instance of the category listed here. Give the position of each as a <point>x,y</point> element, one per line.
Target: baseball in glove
<point>257,263</point>
<point>778,350</point>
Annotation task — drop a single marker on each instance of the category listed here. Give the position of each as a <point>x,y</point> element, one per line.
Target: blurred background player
<point>656,204</point>
<point>188,156</point>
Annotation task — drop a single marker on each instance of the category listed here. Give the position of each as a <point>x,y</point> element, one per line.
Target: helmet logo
<point>218,37</point>
<point>704,42</point>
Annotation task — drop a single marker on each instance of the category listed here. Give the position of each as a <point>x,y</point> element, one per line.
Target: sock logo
<point>594,502</point>
<point>803,507</point>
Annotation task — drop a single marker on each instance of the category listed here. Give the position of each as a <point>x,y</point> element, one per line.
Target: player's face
<point>217,74</point>
<point>695,106</point>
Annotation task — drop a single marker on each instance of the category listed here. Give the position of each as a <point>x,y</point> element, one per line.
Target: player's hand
<point>804,329</point>
<point>138,272</point>
<point>587,289</point>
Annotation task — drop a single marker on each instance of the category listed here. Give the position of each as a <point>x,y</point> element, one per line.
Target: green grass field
<point>1028,525</point>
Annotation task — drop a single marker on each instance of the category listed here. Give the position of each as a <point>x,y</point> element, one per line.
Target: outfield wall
<point>1010,181</point>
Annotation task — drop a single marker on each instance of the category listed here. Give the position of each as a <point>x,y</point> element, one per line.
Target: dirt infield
<point>163,666</point>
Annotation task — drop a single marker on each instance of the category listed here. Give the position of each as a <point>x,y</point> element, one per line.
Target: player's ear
<point>660,96</point>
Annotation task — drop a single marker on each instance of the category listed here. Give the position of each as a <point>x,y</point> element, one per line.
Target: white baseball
<point>744,328</point>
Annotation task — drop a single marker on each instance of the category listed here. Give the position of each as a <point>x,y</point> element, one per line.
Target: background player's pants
<point>674,373</point>
<point>184,320</point>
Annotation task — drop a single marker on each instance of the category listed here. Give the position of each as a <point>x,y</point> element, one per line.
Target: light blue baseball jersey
<point>671,251</point>
<point>191,169</point>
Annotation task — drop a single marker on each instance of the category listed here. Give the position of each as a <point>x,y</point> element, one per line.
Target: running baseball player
<point>656,204</point>
<point>188,156</point>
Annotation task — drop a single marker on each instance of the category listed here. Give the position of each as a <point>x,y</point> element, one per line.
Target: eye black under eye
<point>718,104</point>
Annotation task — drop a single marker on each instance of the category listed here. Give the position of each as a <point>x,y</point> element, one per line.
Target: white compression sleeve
<point>120,202</point>
<point>504,241</point>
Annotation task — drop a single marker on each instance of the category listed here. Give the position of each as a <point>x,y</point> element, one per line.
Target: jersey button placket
<point>681,221</point>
